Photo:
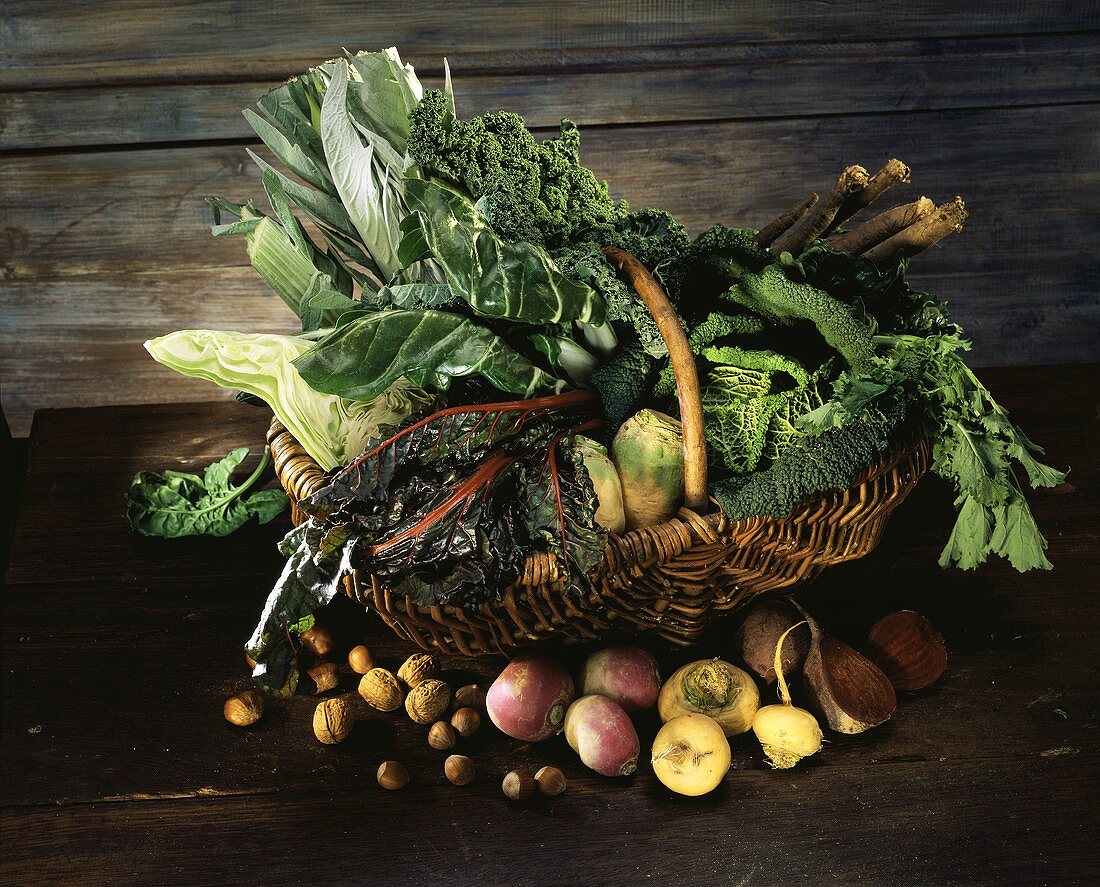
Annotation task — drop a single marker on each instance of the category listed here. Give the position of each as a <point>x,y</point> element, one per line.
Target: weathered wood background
<point>116,118</point>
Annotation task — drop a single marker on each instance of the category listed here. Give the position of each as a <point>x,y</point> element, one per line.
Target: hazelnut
<point>324,676</point>
<point>318,640</point>
<point>551,781</point>
<point>519,786</point>
<point>459,769</point>
<point>332,721</point>
<point>466,721</point>
<point>360,660</point>
<point>427,701</point>
<point>244,709</point>
<point>418,668</point>
<point>392,775</point>
<point>249,661</point>
<point>381,689</point>
<point>470,696</point>
<point>442,736</point>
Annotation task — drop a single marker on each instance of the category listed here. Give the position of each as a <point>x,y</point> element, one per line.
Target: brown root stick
<point>813,225</point>
<point>947,219</point>
<point>773,229</point>
<point>892,172</point>
<point>883,226</point>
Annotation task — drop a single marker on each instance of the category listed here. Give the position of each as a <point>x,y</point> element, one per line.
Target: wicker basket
<point>671,580</point>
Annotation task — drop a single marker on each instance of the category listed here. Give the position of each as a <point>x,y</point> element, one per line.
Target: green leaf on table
<point>175,504</point>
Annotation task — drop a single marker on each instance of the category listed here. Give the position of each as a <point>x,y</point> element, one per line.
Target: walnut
<point>418,668</point>
<point>381,689</point>
<point>428,701</point>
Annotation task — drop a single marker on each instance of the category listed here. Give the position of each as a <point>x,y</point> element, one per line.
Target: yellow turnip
<point>787,734</point>
<point>714,688</point>
<point>691,754</point>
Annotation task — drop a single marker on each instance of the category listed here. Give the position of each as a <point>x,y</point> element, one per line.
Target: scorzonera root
<point>691,754</point>
<point>600,732</point>
<point>714,688</point>
<point>529,698</point>
<point>787,734</point>
<point>628,675</point>
<point>843,686</point>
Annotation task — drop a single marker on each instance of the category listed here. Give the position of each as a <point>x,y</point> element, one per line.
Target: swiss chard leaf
<point>175,503</point>
<point>445,510</point>
<point>498,278</point>
<point>362,358</point>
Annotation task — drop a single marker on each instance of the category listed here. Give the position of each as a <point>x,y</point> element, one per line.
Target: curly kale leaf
<point>708,266</point>
<point>624,383</point>
<point>531,191</point>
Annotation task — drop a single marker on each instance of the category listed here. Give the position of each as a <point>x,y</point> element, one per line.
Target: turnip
<point>529,698</point>
<point>714,688</point>
<point>649,454</point>
<point>627,675</point>
<point>691,754</point>
<point>606,483</point>
<point>787,734</point>
<point>598,730</point>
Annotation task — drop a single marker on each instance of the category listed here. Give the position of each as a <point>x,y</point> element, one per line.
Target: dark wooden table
<point>118,766</point>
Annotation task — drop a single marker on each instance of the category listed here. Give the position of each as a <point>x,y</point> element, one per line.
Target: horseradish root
<point>883,226</point>
<point>811,226</point>
<point>772,230</point>
<point>947,219</point>
<point>787,734</point>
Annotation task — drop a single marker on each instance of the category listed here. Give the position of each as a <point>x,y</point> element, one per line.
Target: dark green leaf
<point>362,358</point>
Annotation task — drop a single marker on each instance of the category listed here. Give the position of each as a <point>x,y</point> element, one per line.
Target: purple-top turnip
<point>627,675</point>
<point>528,699</point>
<point>598,730</point>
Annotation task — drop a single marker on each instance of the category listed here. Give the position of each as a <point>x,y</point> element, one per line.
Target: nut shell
<point>428,701</point>
<point>381,690</point>
<point>244,709</point>
<point>441,736</point>
<point>466,721</point>
<point>332,721</point>
<point>417,669</point>
<point>550,781</point>
<point>392,775</point>
<point>319,641</point>
<point>360,660</point>
<point>459,770</point>
<point>325,676</point>
<point>909,649</point>
<point>519,786</point>
<point>470,696</point>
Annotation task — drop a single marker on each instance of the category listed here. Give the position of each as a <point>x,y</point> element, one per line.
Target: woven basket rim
<point>691,524</point>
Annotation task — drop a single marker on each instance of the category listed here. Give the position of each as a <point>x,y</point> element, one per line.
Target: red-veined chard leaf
<point>445,510</point>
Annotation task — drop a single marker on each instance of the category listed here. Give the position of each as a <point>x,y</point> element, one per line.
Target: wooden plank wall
<point>116,118</point>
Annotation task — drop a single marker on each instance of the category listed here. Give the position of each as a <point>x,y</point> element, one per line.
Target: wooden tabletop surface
<point>119,768</point>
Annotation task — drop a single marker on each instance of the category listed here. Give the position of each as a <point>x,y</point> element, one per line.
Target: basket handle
<point>683,366</point>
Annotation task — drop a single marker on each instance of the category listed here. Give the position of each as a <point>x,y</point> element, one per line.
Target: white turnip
<point>787,734</point>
